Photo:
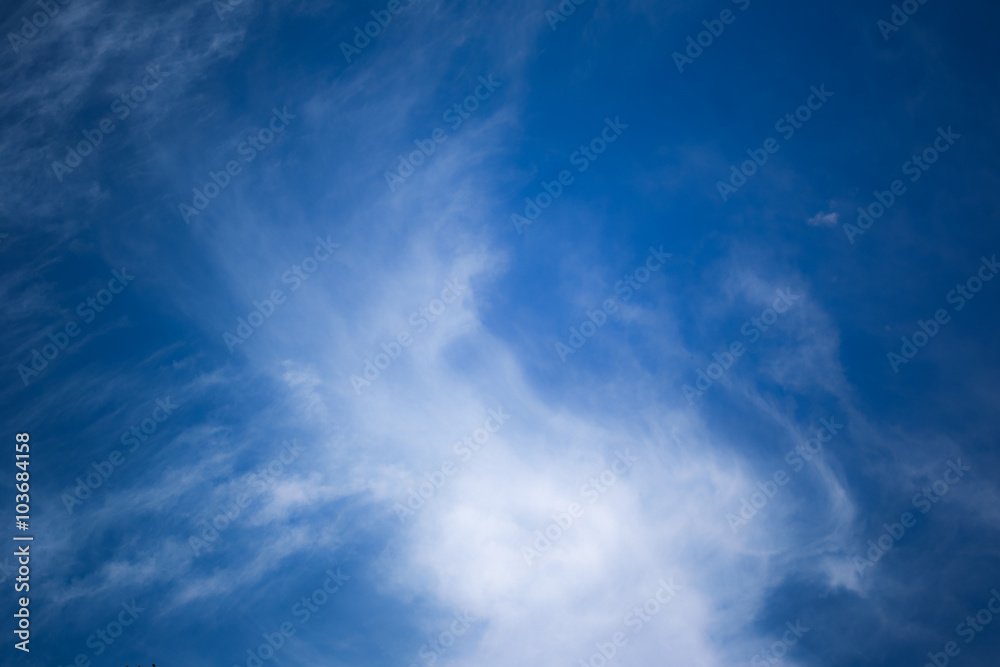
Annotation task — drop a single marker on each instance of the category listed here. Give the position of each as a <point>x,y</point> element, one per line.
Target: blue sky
<point>323,305</point>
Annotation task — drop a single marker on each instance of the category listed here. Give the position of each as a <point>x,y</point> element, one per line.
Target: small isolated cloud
<point>822,219</point>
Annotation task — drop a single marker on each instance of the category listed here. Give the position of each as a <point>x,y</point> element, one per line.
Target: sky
<point>474,333</point>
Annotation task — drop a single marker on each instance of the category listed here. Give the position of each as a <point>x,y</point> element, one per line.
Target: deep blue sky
<point>360,265</point>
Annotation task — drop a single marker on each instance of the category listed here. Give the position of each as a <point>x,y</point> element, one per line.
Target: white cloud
<point>824,219</point>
